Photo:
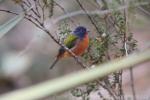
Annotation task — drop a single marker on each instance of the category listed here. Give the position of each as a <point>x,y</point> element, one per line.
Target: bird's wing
<point>71,41</point>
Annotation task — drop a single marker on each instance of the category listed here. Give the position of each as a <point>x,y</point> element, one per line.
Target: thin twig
<point>65,12</point>
<point>145,11</point>
<point>36,7</point>
<point>33,22</point>
<point>7,11</point>
<point>90,18</point>
<point>29,2</point>
<point>25,3</point>
<point>26,17</point>
<point>43,13</point>
<point>126,50</point>
<point>95,12</point>
<point>39,3</point>
<point>109,90</point>
<point>132,84</point>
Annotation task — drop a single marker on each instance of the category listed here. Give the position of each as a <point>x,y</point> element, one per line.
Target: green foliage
<point>120,21</point>
<point>64,31</point>
<point>96,50</point>
<point>132,43</point>
<point>85,91</point>
<point>77,92</point>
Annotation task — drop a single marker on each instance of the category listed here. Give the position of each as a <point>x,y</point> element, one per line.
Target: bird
<point>77,42</point>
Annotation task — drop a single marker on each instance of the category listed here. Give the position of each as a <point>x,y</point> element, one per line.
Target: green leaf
<point>10,24</point>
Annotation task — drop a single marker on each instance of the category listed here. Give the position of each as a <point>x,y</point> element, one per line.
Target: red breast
<point>80,47</point>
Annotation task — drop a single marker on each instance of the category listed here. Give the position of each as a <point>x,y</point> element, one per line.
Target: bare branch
<point>126,2</point>
<point>95,12</point>
<point>8,11</point>
<point>65,12</point>
<point>27,5</point>
<point>90,18</point>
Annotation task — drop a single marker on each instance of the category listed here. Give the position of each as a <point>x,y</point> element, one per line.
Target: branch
<point>7,11</point>
<point>65,12</point>
<point>90,18</point>
<point>28,5</point>
<point>126,50</point>
<point>61,84</point>
<point>95,12</point>
<point>81,12</point>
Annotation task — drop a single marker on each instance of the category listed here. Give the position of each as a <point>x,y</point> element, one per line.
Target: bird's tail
<point>54,63</point>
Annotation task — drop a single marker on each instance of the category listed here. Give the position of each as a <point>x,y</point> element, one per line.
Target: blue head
<point>80,31</point>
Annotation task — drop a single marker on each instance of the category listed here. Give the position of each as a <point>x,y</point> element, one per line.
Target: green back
<point>70,41</point>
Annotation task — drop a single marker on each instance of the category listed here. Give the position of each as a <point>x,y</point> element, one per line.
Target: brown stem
<point>90,18</point>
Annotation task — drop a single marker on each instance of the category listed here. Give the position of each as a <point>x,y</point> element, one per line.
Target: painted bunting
<point>77,42</point>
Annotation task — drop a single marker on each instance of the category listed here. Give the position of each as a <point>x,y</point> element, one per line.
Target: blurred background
<point>26,52</point>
